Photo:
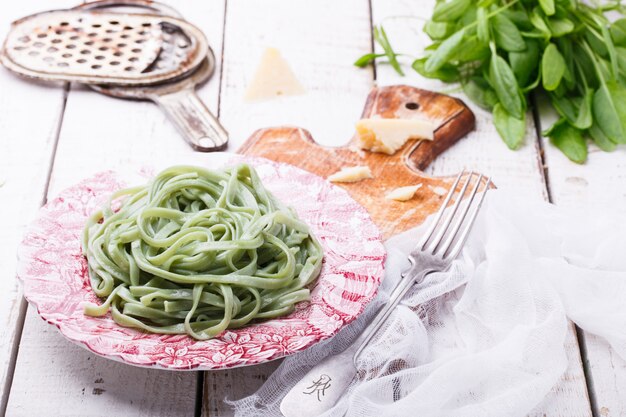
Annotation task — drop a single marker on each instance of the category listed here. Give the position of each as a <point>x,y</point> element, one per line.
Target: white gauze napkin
<point>487,337</point>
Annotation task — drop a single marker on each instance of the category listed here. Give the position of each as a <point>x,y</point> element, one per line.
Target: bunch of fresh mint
<point>501,51</point>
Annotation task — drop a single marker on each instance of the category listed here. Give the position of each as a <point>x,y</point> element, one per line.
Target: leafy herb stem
<point>492,14</point>
<point>611,7</point>
<point>592,57</point>
<point>583,77</point>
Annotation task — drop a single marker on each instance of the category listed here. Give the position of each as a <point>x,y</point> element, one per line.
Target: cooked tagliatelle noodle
<point>198,251</point>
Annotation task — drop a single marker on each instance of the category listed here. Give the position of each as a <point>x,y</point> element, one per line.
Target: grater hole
<point>42,35</point>
<point>89,43</point>
<point>23,39</point>
<point>129,69</point>
<point>146,24</point>
<point>99,57</point>
<point>74,38</point>
<point>85,52</point>
<point>114,63</point>
<point>125,36</point>
<point>96,25</point>
<point>52,49</point>
<point>66,55</point>
<point>48,59</point>
<point>70,46</point>
<point>143,32</point>
<point>110,31</point>
<point>58,32</point>
<point>128,28</point>
<point>96,66</point>
<point>81,61</point>
<point>92,34</point>
<point>121,45</point>
<point>103,48</point>
<point>63,64</point>
<point>38,44</point>
<point>133,59</point>
<point>19,48</point>
<point>56,41</point>
<point>33,53</point>
<point>136,50</point>
<point>114,22</point>
<point>118,53</point>
<point>107,40</point>
<point>63,24</point>
<point>140,41</point>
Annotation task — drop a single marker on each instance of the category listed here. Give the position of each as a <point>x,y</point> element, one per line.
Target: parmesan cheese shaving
<point>403,193</point>
<point>389,135</point>
<point>438,190</point>
<point>351,174</point>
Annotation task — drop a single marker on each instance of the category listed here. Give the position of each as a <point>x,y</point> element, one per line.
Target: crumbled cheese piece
<point>389,135</point>
<point>403,193</point>
<point>351,174</point>
<point>273,78</point>
<point>438,190</point>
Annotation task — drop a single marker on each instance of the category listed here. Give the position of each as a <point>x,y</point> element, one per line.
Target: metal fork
<point>322,386</point>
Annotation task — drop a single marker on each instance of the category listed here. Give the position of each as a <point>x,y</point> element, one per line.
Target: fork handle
<point>412,276</point>
<point>325,383</point>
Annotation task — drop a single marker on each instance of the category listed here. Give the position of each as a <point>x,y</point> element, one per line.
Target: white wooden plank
<point>30,116</point>
<point>232,384</point>
<point>482,150</point>
<point>608,377</point>
<point>66,380</point>
<point>101,133</point>
<point>598,184</point>
<point>320,40</point>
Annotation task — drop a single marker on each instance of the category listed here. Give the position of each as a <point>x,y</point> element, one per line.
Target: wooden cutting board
<point>454,119</point>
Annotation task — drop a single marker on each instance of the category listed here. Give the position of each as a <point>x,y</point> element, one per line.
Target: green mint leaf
<point>511,129</point>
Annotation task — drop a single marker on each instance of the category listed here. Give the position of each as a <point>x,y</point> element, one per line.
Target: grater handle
<point>198,125</point>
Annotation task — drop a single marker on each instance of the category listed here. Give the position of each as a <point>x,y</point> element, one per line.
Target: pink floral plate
<point>54,275</point>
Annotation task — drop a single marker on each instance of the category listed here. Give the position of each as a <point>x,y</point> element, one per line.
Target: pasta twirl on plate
<point>198,251</point>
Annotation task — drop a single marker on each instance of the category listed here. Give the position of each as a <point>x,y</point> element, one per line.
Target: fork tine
<point>449,217</point>
<point>442,209</point>
<point>459,220</point>
<point>459,245</point>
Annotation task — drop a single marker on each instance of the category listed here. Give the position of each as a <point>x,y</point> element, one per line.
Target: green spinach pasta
<point>198,251</point>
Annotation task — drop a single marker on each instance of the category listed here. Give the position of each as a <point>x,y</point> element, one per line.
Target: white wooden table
<point>52,136</point>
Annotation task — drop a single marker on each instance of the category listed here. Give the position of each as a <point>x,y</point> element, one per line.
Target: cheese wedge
<point>388,135</point>
<point>273,78</point>
<point>351,174</point>
<point>403,193</point>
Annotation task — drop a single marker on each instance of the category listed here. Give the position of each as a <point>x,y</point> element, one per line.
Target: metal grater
<point>103,47</point>
<point>123,48</point>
